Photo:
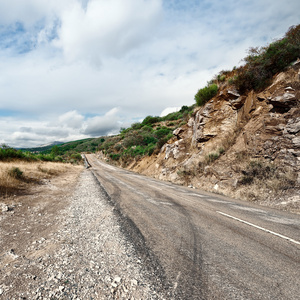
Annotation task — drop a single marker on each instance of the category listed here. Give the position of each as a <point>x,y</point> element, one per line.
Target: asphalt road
<point>202,245</point>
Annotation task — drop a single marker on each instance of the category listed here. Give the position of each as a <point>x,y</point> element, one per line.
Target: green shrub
<point>211,157</point>
<point>76,157</point>
<point>136,126</point>
<point>161,132</point>
<point>15,172</point>
<point>161,142</point>
<point>147,128</point>
<point>258,170</point>
<point>115,156</point>
<point>149,120</point>
<point>118,147</point>
<point>263,63</point>
<point>221,150</point>
<point>151,149</point>
<point>205,94</point>
<point>221,78</point>
<point>149,138</point>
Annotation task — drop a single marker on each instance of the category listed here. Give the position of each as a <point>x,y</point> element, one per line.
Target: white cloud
<point>169,110</point>
<point>109,28</point>
<point>103,125</point>
<point>71,119</point>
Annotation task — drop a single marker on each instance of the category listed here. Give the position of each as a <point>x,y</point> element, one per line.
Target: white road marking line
<point>166,203</point>
<point>198,195</point>
<point>217,201</point>
<point>176,282</point>
<point>261,228</point>
<point>154,187</point>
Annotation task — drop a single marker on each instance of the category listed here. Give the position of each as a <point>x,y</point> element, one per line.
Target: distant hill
<point>51,144</point>
<point>41,148</point>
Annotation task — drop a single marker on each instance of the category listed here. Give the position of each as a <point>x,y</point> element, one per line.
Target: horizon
<point>85,68</point>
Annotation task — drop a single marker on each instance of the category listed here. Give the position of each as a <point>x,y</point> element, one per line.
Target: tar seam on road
<point>261,228</point>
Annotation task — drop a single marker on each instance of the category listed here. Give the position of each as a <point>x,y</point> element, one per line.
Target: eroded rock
<point>286,100</point>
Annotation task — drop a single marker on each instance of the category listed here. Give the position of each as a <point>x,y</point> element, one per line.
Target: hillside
<point>246,146</point>
<point>243,139</point>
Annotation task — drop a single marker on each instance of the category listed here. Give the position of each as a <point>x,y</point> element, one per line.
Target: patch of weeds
<point>241,155</point>
<point>221,150</point>
<point>211,157</point>
<point>16,173</point>
<point>257,170</point>
<point>221,78</point>
<point>185,175</point>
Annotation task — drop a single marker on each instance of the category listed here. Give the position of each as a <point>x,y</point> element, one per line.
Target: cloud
<point>109,28</point>
<point>169,110</point>
<point>71,119</point>
<point>103,125</point>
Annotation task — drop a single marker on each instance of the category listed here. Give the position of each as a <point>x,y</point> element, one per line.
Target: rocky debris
<point>238,103</point>
<point>293,126</point>
<point>177,132</point>
<point>175,150</point>
<point>87,257</point>
<point>229,94</point>
<point>4,207</point>
<point>7,208</point>
<point>235,100</point>
<point>287,99</point>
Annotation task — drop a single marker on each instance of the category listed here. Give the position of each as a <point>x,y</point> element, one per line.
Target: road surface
<point>202,245</point>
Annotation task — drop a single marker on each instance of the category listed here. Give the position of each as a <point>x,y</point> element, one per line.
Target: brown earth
<point>30,217</point>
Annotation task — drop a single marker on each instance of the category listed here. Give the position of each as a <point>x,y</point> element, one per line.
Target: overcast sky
<point>73,69</point>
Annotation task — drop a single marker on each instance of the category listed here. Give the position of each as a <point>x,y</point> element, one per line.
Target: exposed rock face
<point>223,137</point>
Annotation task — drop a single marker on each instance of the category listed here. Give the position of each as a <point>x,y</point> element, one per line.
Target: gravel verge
<point>87,257</point>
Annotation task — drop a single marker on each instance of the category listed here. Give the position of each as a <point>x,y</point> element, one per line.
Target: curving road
<point>201,245</point>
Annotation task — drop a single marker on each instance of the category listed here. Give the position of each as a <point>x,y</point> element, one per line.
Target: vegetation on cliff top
<point>261,64</point>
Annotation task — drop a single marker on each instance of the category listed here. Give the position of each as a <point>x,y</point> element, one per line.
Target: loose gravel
<point>88,257</point>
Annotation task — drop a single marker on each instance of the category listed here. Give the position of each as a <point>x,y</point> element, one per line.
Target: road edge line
<point>261,228</point>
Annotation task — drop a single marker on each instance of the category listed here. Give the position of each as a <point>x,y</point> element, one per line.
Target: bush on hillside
<point>149,120</point>
<point>205,94</point>
<point>263,63</point>
<point>15,172</point>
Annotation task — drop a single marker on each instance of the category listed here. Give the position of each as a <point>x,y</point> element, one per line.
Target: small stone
<point>4,207</point>
<point>117,279</point>
<point>133,282</point>
<point>61,288</point>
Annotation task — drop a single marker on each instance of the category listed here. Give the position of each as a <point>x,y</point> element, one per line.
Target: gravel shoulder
<point>64,241</point>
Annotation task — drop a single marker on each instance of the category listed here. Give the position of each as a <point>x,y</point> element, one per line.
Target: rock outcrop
<point>225,139</point>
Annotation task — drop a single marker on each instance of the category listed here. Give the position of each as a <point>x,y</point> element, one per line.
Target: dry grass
<point>17,176</point>
<point>262,180</point>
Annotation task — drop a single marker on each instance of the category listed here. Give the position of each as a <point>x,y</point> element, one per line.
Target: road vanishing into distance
<point>201,245</point>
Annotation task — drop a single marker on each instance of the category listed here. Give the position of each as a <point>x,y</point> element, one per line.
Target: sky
<point>75,69</point>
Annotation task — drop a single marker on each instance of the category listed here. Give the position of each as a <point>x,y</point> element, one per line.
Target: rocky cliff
<point>246,146</point>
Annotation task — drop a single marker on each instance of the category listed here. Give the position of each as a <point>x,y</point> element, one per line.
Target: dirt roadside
<point>63,241</point>
<point>28,220</point>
